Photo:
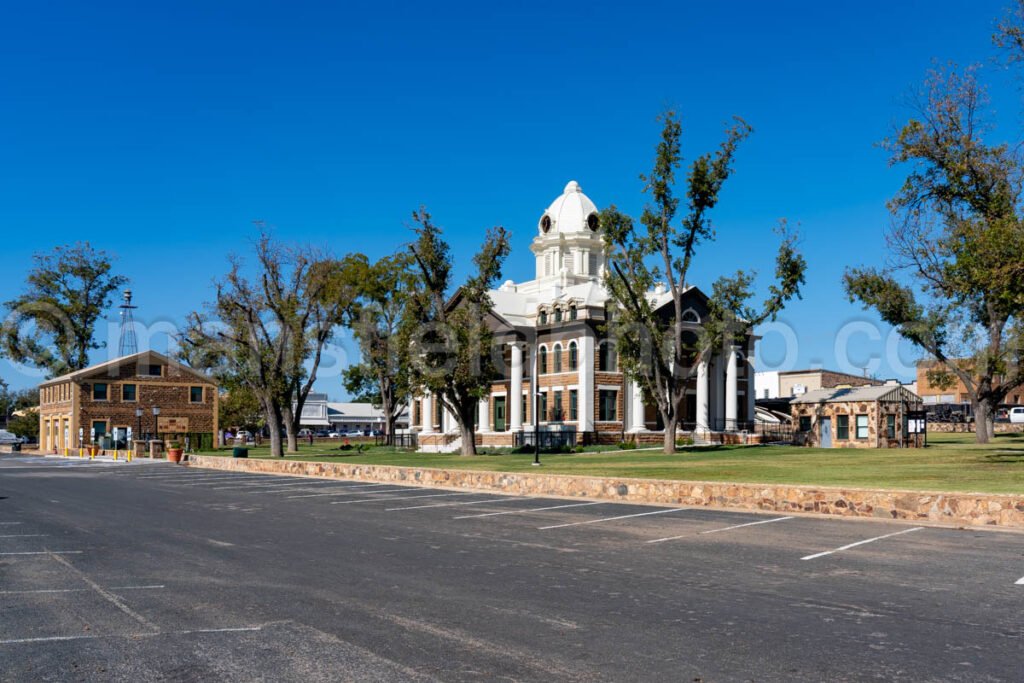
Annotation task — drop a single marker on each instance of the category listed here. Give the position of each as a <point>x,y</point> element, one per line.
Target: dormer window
<point>558,315</point>
<point>572,313</point>
<point>543,318</point>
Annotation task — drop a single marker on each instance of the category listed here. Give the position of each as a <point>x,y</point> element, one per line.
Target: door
<point>499,413</point>
<point>826,432</point>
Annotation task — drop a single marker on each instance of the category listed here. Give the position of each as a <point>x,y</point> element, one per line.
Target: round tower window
<point>545,223</point>
<point>593,222</point>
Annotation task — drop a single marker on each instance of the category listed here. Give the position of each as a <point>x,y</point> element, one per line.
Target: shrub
<point>627,445</point>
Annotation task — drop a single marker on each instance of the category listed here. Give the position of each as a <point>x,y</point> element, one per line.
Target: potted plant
<point>174,451</point>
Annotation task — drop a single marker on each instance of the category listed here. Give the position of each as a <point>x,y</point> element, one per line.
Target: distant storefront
<point>320,414</point>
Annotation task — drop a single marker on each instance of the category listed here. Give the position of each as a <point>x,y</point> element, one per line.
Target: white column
<point>717,393</point>
<point>427,408</point>
<point>448,421</point>
<point>702,395</point>
<point>731,389</point>
<point>585,382</point>
<point>515,398</point>
<point>483,415</point>
<point>751,389</point>
<point>636,408</point>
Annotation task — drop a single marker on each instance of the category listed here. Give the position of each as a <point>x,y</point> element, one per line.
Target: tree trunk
<point>291,427</point>
<point>272,413</point>
<point>670,434</point>
<point>982,417</point>
<point>467,427</point>
<point>992,424</point>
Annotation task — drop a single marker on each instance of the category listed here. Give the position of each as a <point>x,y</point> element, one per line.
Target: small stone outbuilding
<point>855,417</point>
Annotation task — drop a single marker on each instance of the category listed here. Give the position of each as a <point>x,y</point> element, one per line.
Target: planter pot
<point>239,452</point>
<point>174,454</point>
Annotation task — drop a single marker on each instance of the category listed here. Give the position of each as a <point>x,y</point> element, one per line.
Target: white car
<point>1017,415</point>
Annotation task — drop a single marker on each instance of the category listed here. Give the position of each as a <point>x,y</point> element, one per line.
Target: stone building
<point>111,404</point>
<point>957,393</point>
<point>855,417</point>
<point>555,322</point>
<point>798,382</point>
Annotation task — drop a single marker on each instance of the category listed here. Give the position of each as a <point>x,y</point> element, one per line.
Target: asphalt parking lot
<point>147,571</point>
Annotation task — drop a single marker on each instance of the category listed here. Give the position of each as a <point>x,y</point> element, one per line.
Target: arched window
<point>690,316</point>
<point>543,360</point>
<point>606,357</point>
<point>574,359</point>
<point>543,318</point>
<point>558,357</point>
<point>558,315</point>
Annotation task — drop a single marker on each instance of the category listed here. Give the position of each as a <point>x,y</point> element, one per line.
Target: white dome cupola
<point>569,246</point>
<point>572,212</point>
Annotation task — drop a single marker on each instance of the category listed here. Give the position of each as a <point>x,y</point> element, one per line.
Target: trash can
<point>240,452</point>
<point>15,447</point>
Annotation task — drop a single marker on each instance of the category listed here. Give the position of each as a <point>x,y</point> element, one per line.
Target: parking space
<point>542,588</point>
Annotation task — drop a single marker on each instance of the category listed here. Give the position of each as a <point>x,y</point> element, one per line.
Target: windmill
<point>128,343</point>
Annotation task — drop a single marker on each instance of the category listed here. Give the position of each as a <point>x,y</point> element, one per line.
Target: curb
<point>983,510</point>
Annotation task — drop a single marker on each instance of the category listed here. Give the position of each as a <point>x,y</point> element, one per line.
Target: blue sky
<point>161,131</point>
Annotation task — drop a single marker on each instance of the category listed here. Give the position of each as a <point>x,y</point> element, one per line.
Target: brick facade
<point>101,398</point>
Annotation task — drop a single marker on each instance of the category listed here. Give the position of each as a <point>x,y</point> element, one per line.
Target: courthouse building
<point>557,321</point>
<point>142,395</point>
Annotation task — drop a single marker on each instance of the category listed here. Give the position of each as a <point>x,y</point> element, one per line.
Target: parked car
<point>1017,415</point>
<point>333,435</point>
<point>7,438</point>
<point>305,433</point>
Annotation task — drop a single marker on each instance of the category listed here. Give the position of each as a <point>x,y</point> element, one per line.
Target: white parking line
<point>9,523</point>
<point>78,590</point>
<point>47,552</point>
<point>261,484</point>
<point>445,505</point>
<point>612,519</point>
<point>23,535</point>
<point>307,486</point>
<point>854,545</point>
<point>523,512</point>
<point>725,528</point>
<point>348,488</point>
<point>385,500</point>
<point>1019,582</point>
<point>132,636</point>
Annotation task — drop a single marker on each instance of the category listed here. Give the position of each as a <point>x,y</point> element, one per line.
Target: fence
<point>403,440</point>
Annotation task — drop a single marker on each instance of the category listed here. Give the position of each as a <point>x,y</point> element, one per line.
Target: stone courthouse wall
<point>967,509</point>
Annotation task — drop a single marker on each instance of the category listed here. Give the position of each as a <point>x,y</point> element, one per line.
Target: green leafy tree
<point>52,324</point>
<point>446,332</point>
<point>240,408</point>
<point>381,376</point>
<point>654,346</point>
<point>953,284</point>
<point>268,334</point>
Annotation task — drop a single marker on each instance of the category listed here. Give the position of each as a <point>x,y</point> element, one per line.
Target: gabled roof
<point>890,392</point>
<point>146,356</point>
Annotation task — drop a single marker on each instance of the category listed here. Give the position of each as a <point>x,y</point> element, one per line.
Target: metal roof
<point>891,392</point>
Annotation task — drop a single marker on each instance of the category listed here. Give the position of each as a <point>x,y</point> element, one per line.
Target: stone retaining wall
<point>966,509</point>
<point>1001,427</point>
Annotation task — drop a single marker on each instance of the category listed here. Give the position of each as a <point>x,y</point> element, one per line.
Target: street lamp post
<point>156,422</point>
<point>138,420</point>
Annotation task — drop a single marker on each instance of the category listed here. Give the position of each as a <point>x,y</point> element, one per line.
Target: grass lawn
<point>952,462</point>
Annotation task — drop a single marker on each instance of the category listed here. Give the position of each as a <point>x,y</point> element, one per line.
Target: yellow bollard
<point>115,454</point>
